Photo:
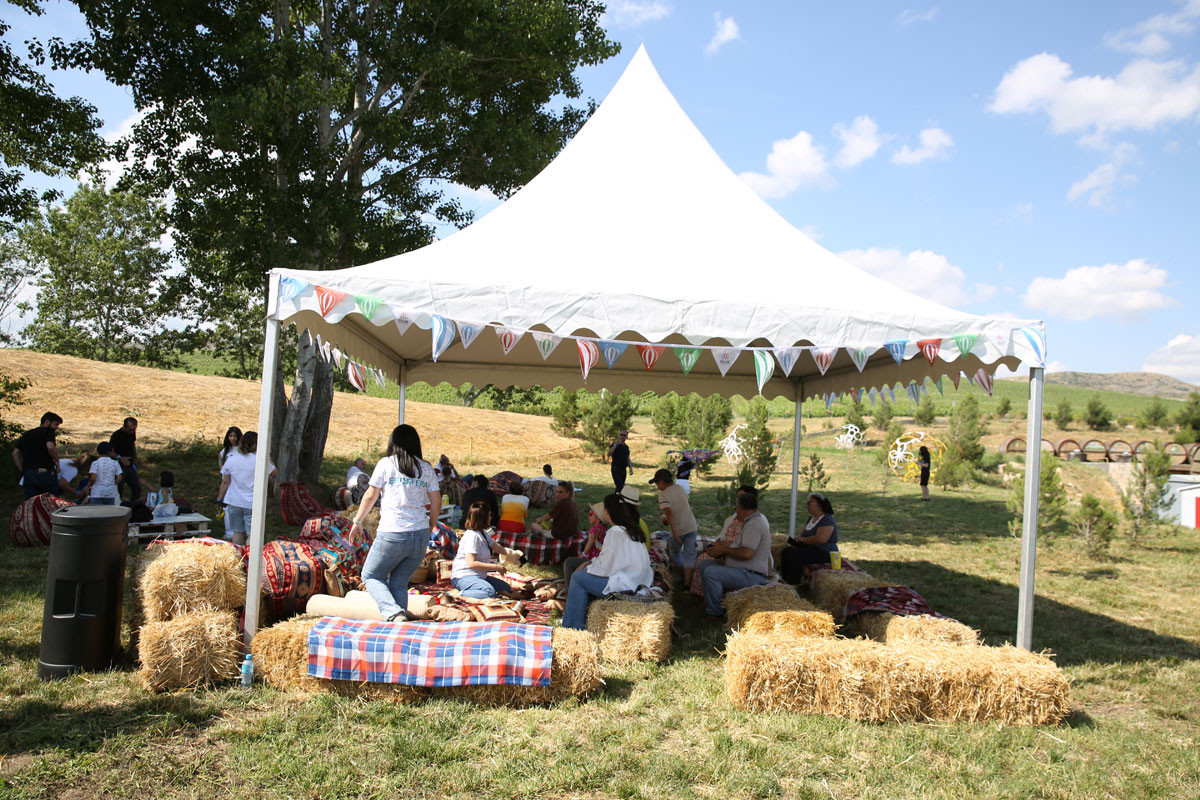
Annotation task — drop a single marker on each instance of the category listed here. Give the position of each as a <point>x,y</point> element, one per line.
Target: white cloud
<point>1150,37</point>
<point>631,13</point>
<point>1143,96</point>
<point>1123,291</point>
<point>1098,185</point>
<point>935,143</point>
<point>726,32</point>
<point>1021,213</point>
<point>922,272</point>
<point>860,141</point>
<point>908,16</point>
<point>791,164</point>
<point>1180,358</point>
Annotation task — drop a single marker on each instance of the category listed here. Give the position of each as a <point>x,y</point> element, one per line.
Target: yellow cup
<point>835,559</point>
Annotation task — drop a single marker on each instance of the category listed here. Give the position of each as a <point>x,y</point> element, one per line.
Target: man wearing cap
<point>746,558</point>
<point>618,453</point>
<point>679,519</point>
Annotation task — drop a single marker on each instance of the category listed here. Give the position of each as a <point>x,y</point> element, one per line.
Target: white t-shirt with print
<point>106,471</point>
<point>239,467</point>
<point>404,499</point>
<point>477,544</point>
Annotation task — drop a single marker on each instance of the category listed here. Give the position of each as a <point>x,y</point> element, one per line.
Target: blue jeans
<point>102,501</point>
<point>390,563</point>
<point>480,586</point>
<point>238,519</point>
<point>37,482</point>
<point>683,554</point>
<point>718,579</point>
<point>584,586</point>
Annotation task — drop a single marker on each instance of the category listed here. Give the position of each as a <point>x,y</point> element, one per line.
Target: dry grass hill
<point>1149,384</point>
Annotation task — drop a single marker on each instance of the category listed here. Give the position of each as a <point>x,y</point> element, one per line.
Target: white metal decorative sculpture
<point>731,445</point>
<point>849,438</point>
<point>902,455</point>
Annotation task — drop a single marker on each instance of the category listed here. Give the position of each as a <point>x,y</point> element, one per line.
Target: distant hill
<point>1149,384</point>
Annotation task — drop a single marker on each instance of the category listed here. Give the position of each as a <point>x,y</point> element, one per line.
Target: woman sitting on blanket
<point>622,566</point>
<point>729,532</point>
<point>475,562</point>
<point>513,508</point>
<point>814,544</point>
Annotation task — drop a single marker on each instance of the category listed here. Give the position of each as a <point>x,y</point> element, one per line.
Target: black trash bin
<point>85,582</point>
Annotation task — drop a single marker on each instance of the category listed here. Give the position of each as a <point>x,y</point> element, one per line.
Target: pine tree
<point>758,446</point>
<point>566,415</point>
<point>966,432</point>
<point>604,417</point>
<point>881,417</point>
<point>1155,415</point>
<point>1097,415</point>
<point>1095,523</point>
<point>1063,414</point>
<point>925,413</point>
<point>1145,498</point>
<point>1052,501</point>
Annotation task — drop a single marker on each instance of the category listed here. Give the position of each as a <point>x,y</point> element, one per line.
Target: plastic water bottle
<point>247,671</point>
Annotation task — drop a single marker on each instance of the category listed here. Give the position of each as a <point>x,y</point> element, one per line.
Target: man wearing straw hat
<point>746,558</point>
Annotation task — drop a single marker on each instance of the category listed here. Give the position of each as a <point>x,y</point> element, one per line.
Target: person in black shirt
<point>481,493</point>
<point>36,457</point>
<point>621,465</point>
<point>124,444</point>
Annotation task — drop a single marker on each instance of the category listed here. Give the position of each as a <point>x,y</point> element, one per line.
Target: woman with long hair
<point>476,564</point>
<point>237,487</point>
<point>406,483</point>
<point>814,545</point>
<point>233,438</point>
<point>923,461</point>
<point>622,566</point>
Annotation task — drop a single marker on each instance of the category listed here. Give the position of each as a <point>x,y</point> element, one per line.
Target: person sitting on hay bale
<point>729,532</point>
<point>623,564</point>
<point>563,516</point>
<point>480,492</point>
<point>513,508</point>
<point>591,548</point>
<point>815,544</point>
<point>357,480</point>
<point>476,560</point>
<point>746,558</point>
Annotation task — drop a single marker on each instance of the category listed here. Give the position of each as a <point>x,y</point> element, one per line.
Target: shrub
<point>856,416</point>
<point>566,415</point>
<point>964,440</point>
<point>666,417</point>
<point>1063,414</point>
<point>759,445</point>
<point>894,432</point>
<point>1145,498</point>
<point>1155,415</point>
<point>925,412</point>
<point>813,473</point>
<point>1003,407</point>
<point>1096,524</point>
<point>952,472</point>
<point>12,394</point>
<point>1052,501</point>
<point>881,417</point>
<point>1097,415</point>
<point>604,417</point>
<point>1188,418</point>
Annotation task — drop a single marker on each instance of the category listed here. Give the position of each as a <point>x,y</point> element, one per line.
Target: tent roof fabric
<point>639,232</point>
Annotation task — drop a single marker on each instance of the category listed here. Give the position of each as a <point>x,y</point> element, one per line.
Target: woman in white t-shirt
<point>622,566</point>
<point>476,564</point>
<point>406,483</point>
<point>237,487</point>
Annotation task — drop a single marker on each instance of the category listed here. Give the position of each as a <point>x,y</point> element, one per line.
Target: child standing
<point>104,477</point>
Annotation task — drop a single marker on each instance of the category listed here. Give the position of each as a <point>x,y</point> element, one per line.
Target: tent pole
<point>796,426</point>
<point>262,457</point>
<point>1029,531</point>
<point>403,384</point>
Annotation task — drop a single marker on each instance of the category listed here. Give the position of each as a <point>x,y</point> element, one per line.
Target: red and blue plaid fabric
<point>900,600</point>
<point>541,549</point>
<point>444,540</point>
<point>431,653</point>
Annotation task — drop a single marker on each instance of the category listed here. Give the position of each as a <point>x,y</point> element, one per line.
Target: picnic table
<point>169,527</point>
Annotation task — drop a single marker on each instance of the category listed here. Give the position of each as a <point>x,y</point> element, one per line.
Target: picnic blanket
<point>30,524</point>
<point>297,505</point>
<point>541,549</point>
<point>900,600</point>
<point>430,653</point>
<point>526,605</point>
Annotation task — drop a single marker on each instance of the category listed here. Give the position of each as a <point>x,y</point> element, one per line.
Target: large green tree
<point>322,133</point>
<point>39,131</point>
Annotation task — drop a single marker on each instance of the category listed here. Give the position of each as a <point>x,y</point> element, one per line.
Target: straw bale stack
<point>740,606</point>
<point>189,650</point>
<point>281,658</point>
<point>864,680</point>
<point>790,624</point>
<point>918,629</point>
<point>630,631</point>
<point>184,578</point>
<point>831,588</point>
<point>370,522</point>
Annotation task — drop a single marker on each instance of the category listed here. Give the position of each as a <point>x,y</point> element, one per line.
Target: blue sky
<point>1030,159</point>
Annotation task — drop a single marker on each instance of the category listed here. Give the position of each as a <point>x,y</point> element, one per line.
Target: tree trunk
<point>316,428</point>
<point>291,434</point>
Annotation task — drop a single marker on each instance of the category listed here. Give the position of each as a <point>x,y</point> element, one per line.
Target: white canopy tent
<point>635,241</point>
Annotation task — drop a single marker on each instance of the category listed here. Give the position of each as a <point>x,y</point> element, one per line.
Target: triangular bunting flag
<point>403,320</point>
<point>443,335</point>
<point>612,351</point>
<point>854,395</point>
<point>357,376</point>
<point>289,288</point>
<point>725,356</point>
<point>327,351</point>
<point>970,379</point>
<point>380,378</point>
<point>873,393</point>
<point>913,394</point>
<point>650,354</point>
<point>965,342</point>
<point>938,384</point>
<point>469,332</point>
<point>327,299</point>
<point>896,349</point>
<point>764,367</point>
<point>1000,340</point>
<point>688,356</point>
<point>891,393</point>
<point>1038,343</point>
<point>954,378</point>
<point>367,305</point>
<point>546,342</point>
<point>787,357</point>
<point>589,354</point>
<point>859,356</point>
<point>984,379</point>
<point>930,348</point>
<point>337,357</point>
<point>508,338</point>
<point>824,357</point>
<point>828,400</point>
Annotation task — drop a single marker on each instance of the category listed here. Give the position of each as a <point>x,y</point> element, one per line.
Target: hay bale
<point>185,578</point>
<point>918,629</point>
<point>831,588</point>
<point>865,680</point>
<point>791,624</point>
<point>574,673</point>
<point>630,631</point>
<point>281,655</point>
<point>189,650</point>
<point>739,606</point>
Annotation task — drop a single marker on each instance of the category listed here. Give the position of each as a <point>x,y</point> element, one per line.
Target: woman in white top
<point>476,563</point>
<point>623,564</point>
<point>406,483</point>
<point>237,488</point>
<point>233,437</point>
